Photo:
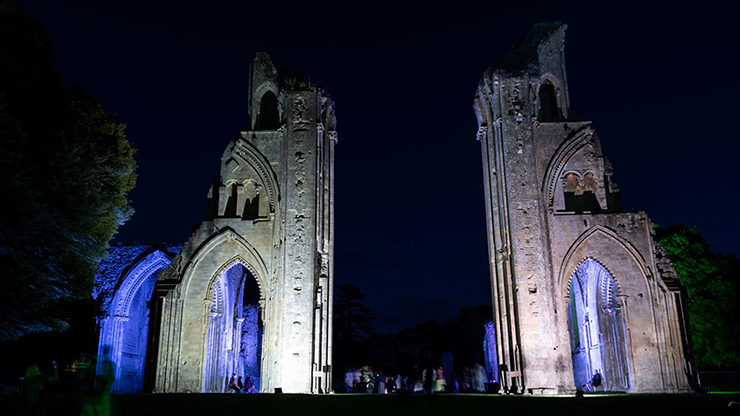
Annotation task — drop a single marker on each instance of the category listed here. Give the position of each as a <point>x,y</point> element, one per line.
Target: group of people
<point>364,380</point>
<point>239,386</point>
<point>432,380</point>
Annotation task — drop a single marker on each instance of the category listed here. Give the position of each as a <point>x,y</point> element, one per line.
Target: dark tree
<point>711,282</point>
<point>65,170</point>
<point>351,317</point>
<point>352,329</point>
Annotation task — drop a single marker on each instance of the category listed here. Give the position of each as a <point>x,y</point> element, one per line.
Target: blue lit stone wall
<point>489,349</point>
<point>251,348</point>
<point>123,286</point>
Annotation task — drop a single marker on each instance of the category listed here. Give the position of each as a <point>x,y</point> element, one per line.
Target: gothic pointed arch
<point>610,249</point>
<point>144,269</point>
<point>549,108</point>
<point>267,88</point>
<point>596,325</point>
<point>214,246</point>
<point>233,343</point>
<point>238,259</point>
<point>268,117</point>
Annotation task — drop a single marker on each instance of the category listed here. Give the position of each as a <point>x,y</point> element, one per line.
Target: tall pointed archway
<point>234,339</point>
<point>124,325</point>
<point>596,327</point>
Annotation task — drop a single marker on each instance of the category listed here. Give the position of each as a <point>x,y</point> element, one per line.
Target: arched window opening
<point>268,117</point>
<point>597,329</point>
<point>234,340</point>
<point>549,110</point>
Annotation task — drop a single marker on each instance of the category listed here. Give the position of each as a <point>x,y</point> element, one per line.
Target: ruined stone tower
<point>251,291</point>
<point>578,285</point>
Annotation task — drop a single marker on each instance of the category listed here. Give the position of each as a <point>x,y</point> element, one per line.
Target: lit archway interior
<point>133,344</point>
<point>234,340</point>
<point>597,329</point>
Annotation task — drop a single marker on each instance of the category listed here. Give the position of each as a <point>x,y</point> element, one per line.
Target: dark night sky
<point>658,82</point>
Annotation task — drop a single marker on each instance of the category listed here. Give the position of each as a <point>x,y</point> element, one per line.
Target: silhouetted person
<point>240,384</point>
<point>34,393</point>
<point>595,381</point>
<point>428,376</point>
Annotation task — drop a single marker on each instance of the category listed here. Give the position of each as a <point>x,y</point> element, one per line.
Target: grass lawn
<point>392,405</point>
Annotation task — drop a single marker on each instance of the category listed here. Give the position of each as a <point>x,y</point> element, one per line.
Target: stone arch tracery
<point>558,167</point>
<point>265,176</point>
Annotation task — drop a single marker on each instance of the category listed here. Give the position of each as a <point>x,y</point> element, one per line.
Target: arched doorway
<point>234,339</point>
<point>596,327</point>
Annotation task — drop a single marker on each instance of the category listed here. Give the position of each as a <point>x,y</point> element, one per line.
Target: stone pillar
<point>241,199</point>
<point>212,384</point>
<point>239,322</point>
<point>300,244</point>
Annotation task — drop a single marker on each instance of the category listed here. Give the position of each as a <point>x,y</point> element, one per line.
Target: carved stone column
<point>212,384</point>
<point>112,337</point>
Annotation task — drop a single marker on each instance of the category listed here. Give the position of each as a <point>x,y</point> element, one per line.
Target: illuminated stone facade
<point>578,285</point>
<point>251,291</point>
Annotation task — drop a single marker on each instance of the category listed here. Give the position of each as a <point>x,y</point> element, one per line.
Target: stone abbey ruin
<point>578,285</point>
<point>250,292</point>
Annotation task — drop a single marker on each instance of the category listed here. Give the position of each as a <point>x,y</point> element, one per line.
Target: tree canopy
<point>65,169</point>
<point>712,283</point>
